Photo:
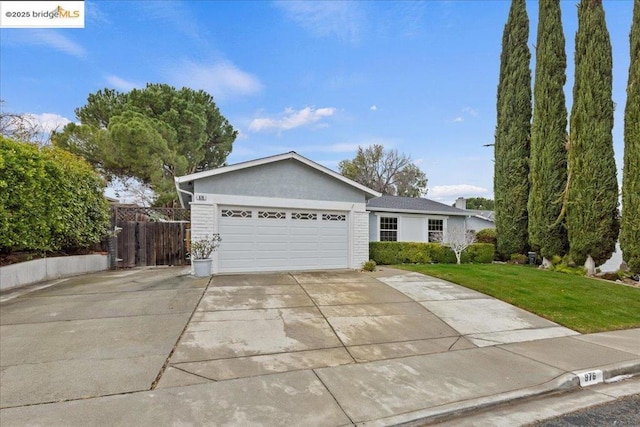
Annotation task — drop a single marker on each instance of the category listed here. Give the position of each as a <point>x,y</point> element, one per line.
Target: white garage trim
<point>205,217</point>
<point>228,199</point>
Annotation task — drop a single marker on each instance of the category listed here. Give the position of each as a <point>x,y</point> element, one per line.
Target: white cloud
<point>120,83</point>
<point>175,14</point>
<point>470,111</point>
<point>54,40</point>
<point>374,107</point>
<point>464,190</point>
<point>340,19</point>
<point>458,120</point>
<point>47,122</point>
<point>223,80</point>
<point>291,119</point>
<point>94,14</point>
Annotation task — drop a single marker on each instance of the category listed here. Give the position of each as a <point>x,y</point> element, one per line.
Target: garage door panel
<point>266,247</point>
<point>304,247</point>
<point>270,231</point>
<point>277,244</point>
<point>239,246</point>
<point>240,230</point>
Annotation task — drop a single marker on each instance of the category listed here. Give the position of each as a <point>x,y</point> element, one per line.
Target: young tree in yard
<point>21,127</point>
<point>152,134</point>
<point>385,171</point>
<point>630,225</point>
<point>592,190</point>
<point>457,238</point>
<point>513,131</point>
<point>548,161</point>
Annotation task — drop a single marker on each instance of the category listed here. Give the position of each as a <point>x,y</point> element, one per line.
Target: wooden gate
<point>151,236</point>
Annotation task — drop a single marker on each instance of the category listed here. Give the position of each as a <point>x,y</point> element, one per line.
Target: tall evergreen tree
<point>592,198</point>
<point>630,226</point>
<point>548,161</point>
<point>513,132</point>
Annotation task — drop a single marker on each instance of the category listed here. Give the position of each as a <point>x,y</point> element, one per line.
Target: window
<point>229,213</point>
<point>388,229</point>
<point>305,216</point>
<point>334,217</point>
<point>271,215</point>
<point>436,229</point>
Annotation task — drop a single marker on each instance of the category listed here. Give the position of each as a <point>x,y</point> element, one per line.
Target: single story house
<point>283,212</point>
<point>286,212</point>
<point>411,219</point>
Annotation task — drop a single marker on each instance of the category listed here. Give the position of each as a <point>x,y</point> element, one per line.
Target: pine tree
<point>548,162</point>
<point>592,198</point>
<point>513,132</point>
<point>630,226</point>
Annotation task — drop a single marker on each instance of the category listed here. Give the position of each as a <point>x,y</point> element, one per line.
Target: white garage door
<point>273,239</point>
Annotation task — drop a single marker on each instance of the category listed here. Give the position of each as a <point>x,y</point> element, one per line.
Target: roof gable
<point>184,184</point>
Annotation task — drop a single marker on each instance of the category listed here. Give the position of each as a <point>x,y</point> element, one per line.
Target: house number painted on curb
<point>590,377</point>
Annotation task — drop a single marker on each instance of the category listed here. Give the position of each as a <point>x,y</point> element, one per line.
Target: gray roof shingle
<point>417,204</point>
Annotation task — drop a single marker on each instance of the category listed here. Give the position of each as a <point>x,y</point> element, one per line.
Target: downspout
<point>182,204</point>
<point>183,191</point>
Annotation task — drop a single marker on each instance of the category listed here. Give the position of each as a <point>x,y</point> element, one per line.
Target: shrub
<point>387,253</point>
<point>556,259</point>
<point>487,235</point>
<point>369,265</point>
<point>49,200</point>
<point>519,259</point>
<point>479,253</point>
<point>564,268</point>
<point>203,248</point>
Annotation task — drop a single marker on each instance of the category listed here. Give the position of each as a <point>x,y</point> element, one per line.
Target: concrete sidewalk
<point>324,348</point>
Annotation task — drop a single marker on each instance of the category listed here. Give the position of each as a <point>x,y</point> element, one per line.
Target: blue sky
<point>320,78</point>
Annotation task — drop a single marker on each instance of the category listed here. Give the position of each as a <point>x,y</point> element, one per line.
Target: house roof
<point>265,160</point>
<point>413,205</point>
<point>488,215</point>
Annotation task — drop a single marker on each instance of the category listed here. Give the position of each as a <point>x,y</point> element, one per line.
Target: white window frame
<point>444,227</point>
<point>397,230</point>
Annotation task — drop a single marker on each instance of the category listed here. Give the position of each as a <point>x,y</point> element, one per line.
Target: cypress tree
<point>513,132</point>
<point>630,226</point>
<point>548,162</point>
<point>592,198</point>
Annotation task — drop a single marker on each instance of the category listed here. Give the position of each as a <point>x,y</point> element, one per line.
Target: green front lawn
<point>579,303</point>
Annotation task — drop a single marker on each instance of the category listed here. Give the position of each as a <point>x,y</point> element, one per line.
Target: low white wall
<point>38,270</point>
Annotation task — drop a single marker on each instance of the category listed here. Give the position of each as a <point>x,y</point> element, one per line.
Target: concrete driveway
<point>251,325</point>
<point>158,347</point>
<point>93,335</point>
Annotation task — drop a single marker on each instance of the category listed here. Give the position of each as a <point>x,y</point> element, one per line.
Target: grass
<point>579,303</point>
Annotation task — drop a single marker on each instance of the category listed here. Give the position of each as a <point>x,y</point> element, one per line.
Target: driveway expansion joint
<point>155,382</point>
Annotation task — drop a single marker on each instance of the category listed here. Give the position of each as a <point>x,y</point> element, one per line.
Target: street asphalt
<point>157,346</point>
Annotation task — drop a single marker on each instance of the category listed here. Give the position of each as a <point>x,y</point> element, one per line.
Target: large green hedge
<point>50,200</point>
<point>388,253</point>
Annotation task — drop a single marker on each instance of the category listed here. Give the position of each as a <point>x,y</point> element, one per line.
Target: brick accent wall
<point>203,223</point>
<point>360,238</point>
<point>203,220</point>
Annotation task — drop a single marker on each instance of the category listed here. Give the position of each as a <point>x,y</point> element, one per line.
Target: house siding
<point>477,224</point>
<point>415,232</point>
<point>288,179</point>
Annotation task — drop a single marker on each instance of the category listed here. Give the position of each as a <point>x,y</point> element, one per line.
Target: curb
<point>564,383</point>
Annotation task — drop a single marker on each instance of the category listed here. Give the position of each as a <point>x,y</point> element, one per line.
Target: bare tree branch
<point>457,238</point>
